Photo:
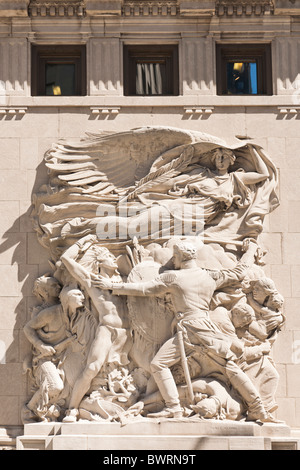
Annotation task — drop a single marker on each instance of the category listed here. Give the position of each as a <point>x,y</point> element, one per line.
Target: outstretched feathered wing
<point>106,167</point>
<point>99,164</point>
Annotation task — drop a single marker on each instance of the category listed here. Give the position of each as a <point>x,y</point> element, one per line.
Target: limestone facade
<point>30,124</point>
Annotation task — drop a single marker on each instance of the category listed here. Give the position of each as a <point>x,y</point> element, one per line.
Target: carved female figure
<point>111,341</point>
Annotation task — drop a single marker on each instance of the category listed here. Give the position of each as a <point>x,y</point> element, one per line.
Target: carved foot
<point>71,416</point>
<point>265,417</point>
<point>271,419</point>
<point>167,413</point>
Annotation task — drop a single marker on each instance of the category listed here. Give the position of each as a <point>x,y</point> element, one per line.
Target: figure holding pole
<point>191,289</point>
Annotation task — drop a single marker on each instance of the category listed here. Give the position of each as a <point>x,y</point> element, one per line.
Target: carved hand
<point>102,283</point>
<point>266,347</point>
<point>88,238</point>
<point>249,242</point>
<point>46,349</point>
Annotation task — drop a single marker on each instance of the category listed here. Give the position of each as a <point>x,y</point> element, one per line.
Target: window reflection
<point>242,78</point>
<point>60,79</point>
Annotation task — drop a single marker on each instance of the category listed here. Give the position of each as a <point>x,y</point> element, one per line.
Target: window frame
<point>260,53</point>
<point>64,54</point>
<point>134,53</point>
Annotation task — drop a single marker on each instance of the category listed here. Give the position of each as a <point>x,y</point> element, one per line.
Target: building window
<point>244,69</point>
<point>58,70</point>
<point>151,70</point>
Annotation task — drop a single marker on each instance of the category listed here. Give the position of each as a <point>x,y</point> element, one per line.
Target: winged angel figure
<point>147,184</point>
<point>156,171</point>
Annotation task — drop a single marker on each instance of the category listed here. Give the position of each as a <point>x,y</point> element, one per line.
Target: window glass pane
<point>150,78</point>
<point>242,78</point>
<point>60,79</point>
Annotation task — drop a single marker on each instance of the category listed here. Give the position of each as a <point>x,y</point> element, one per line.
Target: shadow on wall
<point>16,240</point>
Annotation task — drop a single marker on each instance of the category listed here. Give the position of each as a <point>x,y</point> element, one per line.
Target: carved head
<point>183,251</point>
<point>223,158</point>
<point>242,315</point>
<point>275,301</point>
<point>45,287</point>
<point>263,289</point>
<point>207,407</point>
<point>106,259</point>
<point>71,298</point>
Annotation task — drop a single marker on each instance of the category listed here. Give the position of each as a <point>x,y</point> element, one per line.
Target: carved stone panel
<point>156,303</point>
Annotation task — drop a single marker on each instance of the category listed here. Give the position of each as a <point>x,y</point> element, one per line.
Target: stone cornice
<point>240,8</point>
<point>118,8</point>
<point>42,8</point>
<point>150,8</point>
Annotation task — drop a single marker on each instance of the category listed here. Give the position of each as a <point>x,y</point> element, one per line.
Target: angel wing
<point>103,168</point>
<point>103,163</point>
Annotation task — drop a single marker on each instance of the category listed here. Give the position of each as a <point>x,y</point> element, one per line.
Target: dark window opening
<point>150,70</point>
<point>58,70</point>
<point>244,69</point>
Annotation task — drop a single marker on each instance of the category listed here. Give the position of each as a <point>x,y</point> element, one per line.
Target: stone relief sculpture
<point>157,305</point>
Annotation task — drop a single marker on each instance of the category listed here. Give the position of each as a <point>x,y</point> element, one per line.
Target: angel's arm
<point>261,173</point>
<point>167,185</point>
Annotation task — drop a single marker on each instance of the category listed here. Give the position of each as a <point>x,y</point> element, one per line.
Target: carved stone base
<point>162,435</point>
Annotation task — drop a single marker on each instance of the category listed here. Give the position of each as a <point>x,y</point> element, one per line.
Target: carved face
<point>108,262</point>
<point>75,299</point>
<point>46,287</point>
<point>54,290</point>
<point>242,316</point>
<point>223,159</point>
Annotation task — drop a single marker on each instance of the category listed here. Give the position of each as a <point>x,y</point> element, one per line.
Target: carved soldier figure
<point>191,289</point>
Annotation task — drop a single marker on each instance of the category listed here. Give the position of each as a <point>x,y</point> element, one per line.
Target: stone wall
<point>23,143</point>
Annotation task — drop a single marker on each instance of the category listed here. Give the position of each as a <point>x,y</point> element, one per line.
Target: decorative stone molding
<point>12,111</point>
<point>198,110</point>
<point>56,8</point>
<point>244,8</point>
<point>105,109</point>
<point>289,110</point>
<point>150,8</point>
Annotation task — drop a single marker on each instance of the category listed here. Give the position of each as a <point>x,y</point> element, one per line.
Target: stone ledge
<point>166,434</point>
<point>189,102</point>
